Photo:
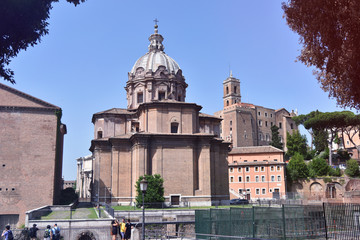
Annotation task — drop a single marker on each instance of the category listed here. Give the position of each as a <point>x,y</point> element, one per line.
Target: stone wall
<point>329,189</point>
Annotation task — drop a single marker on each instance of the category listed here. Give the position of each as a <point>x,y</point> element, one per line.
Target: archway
<point>87,235</point>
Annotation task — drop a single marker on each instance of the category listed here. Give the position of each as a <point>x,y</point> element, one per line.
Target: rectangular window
<point>174,127</point>
<point>161,95</point>
<point>271,124</point>
<point>263,191</point>
<point>280,125</point>
<point>239,169</point>
<point>256,169</point>
<point>257,191</point>
<point>231,169</point>
<point>256,178</point>
<point>260,123</point>
<point>270,114</point>
<point>247,169</point>
<point>272,168</point>
<point>240,191</point>
<point>231,179</point>
<point>273,178</point>
<point>275,160</point>
<point>247,178</point>
<point>263,169</point>
<point>259,113</point>
<point>266,124</point>
<point>263,178</point>
<point>265,114</point>
<point>230,123</point>
<point>291,126</point>
<point>140,97</point>
<point>279,178</point>
<point>278,168</point>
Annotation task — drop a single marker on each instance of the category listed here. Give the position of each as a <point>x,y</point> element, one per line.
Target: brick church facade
<point>31,148</point>
<point>158,133</point>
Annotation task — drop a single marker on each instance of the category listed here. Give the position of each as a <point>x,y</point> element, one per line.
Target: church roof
<point>112,111</point>
<point>204,115</point>
<point>255,149</point>
<point>12,98</point>
<point>116,111</point>
<point>156,57</point>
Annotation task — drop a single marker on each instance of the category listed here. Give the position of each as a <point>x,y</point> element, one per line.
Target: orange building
<point>256,173</point>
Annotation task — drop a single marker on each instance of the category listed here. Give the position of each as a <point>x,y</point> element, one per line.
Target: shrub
<point>154,193</point>
<point>297,167</point>
<point>318,167</point>
<point>352,168</point>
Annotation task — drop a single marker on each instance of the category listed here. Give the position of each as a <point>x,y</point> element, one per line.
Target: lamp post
<point>143,188</point>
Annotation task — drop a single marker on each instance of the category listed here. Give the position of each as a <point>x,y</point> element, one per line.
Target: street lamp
<point>143,188</point>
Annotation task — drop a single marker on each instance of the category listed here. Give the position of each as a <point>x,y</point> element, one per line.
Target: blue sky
<point>82,65</point>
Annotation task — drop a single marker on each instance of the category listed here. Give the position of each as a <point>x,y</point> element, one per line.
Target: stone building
<point>246,124</point>
<point>84,177</point>
<point>158,133</point>
<point>257,173</point>
<point>31,149</point>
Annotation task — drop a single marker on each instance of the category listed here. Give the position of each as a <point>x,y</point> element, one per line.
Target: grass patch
<point>92,214</point>
<point>49,216</point>
<point>132,208</point>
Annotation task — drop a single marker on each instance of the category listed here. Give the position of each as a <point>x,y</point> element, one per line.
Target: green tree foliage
<point>343,155</point>
<point>332,123</point>
<point>297,168</point>
<point>318,167</point>
<point>320,137</point>
<point>275,138</point>
<point>154,193</point>
<point>336,172</point>
<point>329,32</point>
<point>296,143</point>
<point>352,168</point>
<point>23,23</point>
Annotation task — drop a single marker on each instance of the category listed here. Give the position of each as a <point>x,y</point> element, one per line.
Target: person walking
<point>114,229</point>
<point>33,232</point>
<point>7,233</point>
<point>55,232</point>
<point>128,230</point>
<point>47,233</point>
<point>122,229</point>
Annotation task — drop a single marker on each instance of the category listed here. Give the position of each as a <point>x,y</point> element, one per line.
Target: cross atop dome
<point>156,26</point>
<point>156,39</point>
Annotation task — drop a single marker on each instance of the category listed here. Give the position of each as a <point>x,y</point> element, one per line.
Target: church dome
<point>152,60</point>
<point>156,57</point>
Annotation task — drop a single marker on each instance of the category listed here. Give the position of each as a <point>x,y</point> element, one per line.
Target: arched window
<point>227,103</point>
<point>227,90</point>
<point>235,89</point>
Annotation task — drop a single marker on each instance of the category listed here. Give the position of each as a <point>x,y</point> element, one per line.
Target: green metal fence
<point>285,222</point>
<point>343,221</point>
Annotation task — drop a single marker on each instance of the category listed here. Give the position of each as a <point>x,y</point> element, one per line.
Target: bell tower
<point>231,91</point>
